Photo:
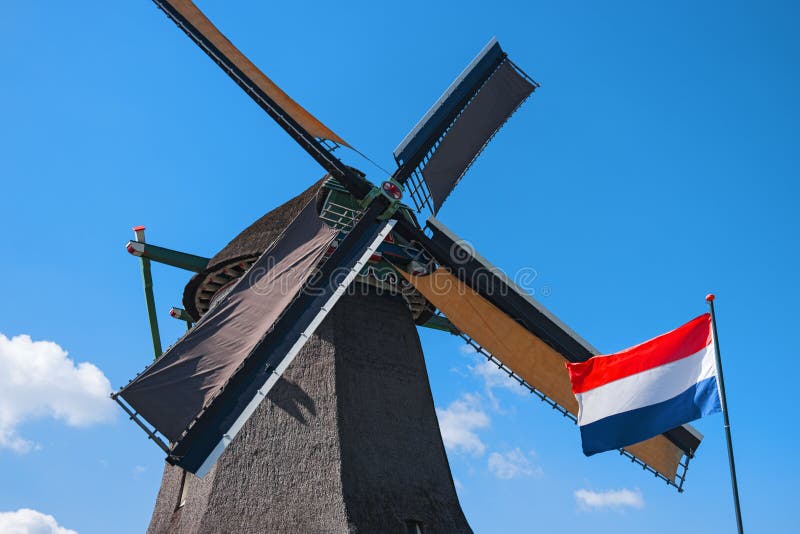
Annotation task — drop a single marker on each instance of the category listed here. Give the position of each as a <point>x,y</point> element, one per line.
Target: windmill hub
<point>338,209</point>
<point>393,189</point>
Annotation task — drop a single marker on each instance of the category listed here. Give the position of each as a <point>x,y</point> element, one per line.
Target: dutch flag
<point>643,391</point>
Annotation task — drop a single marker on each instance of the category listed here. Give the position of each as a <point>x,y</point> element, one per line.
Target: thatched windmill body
<point>299,395</point>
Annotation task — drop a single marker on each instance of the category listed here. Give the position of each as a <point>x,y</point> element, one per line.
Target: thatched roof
<point>243,250</point>
<point>255,239</point>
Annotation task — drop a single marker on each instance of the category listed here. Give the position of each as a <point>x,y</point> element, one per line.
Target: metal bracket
<point>392,191</point>
<point>369,197</point>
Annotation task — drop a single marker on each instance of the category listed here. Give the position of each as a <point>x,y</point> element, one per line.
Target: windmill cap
<point>139,228</point>
<point>710,297</point>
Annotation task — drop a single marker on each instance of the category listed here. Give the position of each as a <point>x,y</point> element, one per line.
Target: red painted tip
<point>173,312</point>
<point>392,190</point>
<point>130,248</point>
<point>710,297</point>
<point>138,228</point>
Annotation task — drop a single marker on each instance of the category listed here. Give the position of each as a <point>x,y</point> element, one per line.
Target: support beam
<point>174,258</point>
<point>439,322</point>
<point>180,313</point>
<point>147,279</point>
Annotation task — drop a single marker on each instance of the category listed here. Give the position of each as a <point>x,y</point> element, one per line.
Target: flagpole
<point>723,401</point>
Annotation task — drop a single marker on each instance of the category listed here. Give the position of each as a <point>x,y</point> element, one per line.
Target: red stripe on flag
<point>672,346</point>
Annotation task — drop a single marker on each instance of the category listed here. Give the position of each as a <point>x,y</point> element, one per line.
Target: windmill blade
<point>205,387</point>
<point>525,354</point>
<point>446,141</point>
<point>304,128</point>
<point>525,337</point>
<point>175,388</point>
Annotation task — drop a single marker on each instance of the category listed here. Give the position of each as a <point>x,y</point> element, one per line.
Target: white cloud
<point>459,423</point>
<point>27,521</point>
<point>616,499</point>
<point>37,379</point>
<point>467,349</point>
<point>494,377</point>
<point>511,465</point>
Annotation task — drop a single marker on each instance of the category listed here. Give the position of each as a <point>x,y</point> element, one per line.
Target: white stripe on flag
<point>646,388</point>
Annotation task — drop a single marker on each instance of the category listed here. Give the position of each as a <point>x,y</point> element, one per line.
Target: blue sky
<point>657,162</point>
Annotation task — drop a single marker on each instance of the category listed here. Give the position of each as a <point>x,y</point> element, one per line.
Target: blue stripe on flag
<point>631,427</point>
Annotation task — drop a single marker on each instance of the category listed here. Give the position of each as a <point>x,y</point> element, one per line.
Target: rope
<point>357,151</point>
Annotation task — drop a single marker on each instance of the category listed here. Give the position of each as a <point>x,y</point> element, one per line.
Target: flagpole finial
<point>710,297</point>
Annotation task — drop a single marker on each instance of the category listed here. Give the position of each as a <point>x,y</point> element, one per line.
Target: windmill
<point>298,397</point>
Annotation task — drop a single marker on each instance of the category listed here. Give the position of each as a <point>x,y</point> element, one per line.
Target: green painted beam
<point>180,313</point>
<point>438,322</point>
<point>174,258</point>
<point>149,299</point>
